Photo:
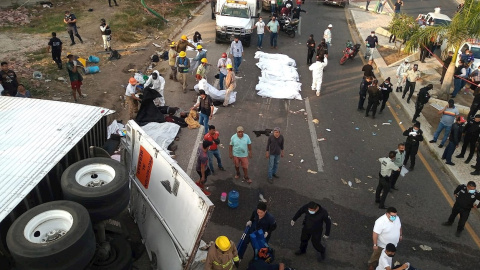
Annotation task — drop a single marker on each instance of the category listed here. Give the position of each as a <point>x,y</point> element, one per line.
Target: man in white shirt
<point>130,97</point>
<point>387,229</point>
<point>222,68</point>
<point>385,261</point>
<point>157,83</point>
<point>386,168</point>
<point>260,25</point>
<point>236,49</point>
<point>327,35</point>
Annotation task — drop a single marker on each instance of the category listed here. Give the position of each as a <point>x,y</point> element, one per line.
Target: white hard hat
<point>330,26</point>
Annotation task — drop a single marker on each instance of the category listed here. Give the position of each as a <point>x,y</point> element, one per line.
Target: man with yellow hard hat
<point>230,84</point>
<point>183,43</point>
<point>222,256</point>
<point>202,68</point>
<point>183,65</point>
<point>172,57</point>
<point>201,54</point>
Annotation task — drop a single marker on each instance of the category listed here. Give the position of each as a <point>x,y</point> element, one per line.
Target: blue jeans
<point>448,153</point>
<point>439,129</point>
<point>203,120</point>
<point>457,85</point>
<point>259,40</point>
<point>221,79</point>
<point>236,62</point>
<point>214,153</point>
<point>273,8</point>
<point>273,39</point>
<point>273,165</point>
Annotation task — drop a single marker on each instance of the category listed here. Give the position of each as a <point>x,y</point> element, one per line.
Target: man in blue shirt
<point>449,113</point>
<point>236,49</point>
<point>240,151</point>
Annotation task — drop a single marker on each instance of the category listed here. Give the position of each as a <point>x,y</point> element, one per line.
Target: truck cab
<point>235,18</point>
<point>435,18</point>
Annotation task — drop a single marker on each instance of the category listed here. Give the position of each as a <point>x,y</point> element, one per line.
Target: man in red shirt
<point>212,136</point>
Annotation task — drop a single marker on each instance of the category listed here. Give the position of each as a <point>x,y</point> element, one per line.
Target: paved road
<point>415,7</point>
<point>420,202</point>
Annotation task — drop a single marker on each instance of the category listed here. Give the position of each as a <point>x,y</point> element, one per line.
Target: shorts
<point>207,173</point>
<point>76,85</point>
<point>241,162</point>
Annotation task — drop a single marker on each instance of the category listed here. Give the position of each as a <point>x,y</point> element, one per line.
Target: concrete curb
<point>177,30</point>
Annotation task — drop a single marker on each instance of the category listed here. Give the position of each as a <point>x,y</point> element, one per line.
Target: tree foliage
<point>403,27</point>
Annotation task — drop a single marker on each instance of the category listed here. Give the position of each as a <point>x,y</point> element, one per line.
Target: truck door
<point>170,210</point>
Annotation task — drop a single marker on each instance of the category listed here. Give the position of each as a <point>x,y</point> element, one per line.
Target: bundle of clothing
<point>214,93</point>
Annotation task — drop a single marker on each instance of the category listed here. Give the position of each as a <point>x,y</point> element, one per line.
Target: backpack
<point>114,55</point>
<point>165,55</point>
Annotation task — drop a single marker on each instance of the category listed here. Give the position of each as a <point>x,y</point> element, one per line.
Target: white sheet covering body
<point>216,94</point>
<point>162,133</point>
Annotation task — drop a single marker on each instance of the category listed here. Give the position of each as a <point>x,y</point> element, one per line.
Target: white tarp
<point>162,133</point>
<point>216,94</point>
<point>279,77</point>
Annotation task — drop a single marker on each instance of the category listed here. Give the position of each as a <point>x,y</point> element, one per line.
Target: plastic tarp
<point>162,133</point>
<point>279,77</point>
<point>216,94</point>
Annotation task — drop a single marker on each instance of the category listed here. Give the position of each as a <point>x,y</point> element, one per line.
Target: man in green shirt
<point>273,27</point>
<point>75,77</point>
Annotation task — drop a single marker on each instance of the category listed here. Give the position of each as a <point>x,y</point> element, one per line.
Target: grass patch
<point>38,55</point>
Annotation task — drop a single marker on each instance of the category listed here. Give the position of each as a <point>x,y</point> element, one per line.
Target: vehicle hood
<point>234,22</point>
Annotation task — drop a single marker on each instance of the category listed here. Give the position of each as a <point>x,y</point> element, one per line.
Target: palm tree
<point>465,24</point>
<point>402,26</point>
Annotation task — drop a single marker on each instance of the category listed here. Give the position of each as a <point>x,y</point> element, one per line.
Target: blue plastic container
<point>233,199</point>
<point>93,59</point>
<point>91,70</point>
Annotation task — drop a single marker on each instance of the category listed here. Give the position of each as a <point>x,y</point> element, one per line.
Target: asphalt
<point>421,200</point>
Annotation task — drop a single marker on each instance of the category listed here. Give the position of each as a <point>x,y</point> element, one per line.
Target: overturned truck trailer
<point>56,196</point>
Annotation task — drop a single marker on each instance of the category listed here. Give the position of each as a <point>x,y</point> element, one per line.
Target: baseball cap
<point>239,128</point>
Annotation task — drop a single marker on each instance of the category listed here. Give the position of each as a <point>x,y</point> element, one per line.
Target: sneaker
<point>459,156</point>
<point>73,43</point>
<point>221,168</point>
<point>237,176</point>
<point>451,163</point>
<point>83,95</point>
<point>275,175</point>
<point>206,192</point>
<point>440,146</point>
<point>432,141</point>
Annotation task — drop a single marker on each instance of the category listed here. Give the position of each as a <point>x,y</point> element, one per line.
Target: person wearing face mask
<point>387,230</point>
<point>454,139</point>
<point>414,137</point>
<point>260,219</point>
<point>312,229</point>
<point>372,43</point>
<point>385,261</point>
<point>157,83</point>
<point>413,75</point>
<point>236,49</point>
<point>401,73</point>
<point>273,27</point>
<point>465,198</point>
<point>260,25</point>
<point>310,49</point>
<point>449,113</point>
<point>386,89</point>
<point>472,133</point>
<point>399,159</point>
<point>327,35</point>
<point>422,98</point>
<point>387,166</point>
<point>322,49</point>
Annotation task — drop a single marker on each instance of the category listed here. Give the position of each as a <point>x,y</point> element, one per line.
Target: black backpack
<point>114,55</point>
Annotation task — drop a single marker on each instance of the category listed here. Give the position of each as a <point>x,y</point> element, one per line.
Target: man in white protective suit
<point>157,82</point>
<point>317,73</point>
<point>401,75</point>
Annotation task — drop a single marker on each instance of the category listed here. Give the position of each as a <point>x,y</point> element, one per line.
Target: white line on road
<point>194,151</point>
<point>313,135</point>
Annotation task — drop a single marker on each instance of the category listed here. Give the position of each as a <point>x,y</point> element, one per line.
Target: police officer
<point>374,96</point>
<point>399,159</point>
<point>311,49</point>
<point>260,220</point>
<point>465,195</point>
<point>55,46</point>
<point>422,99</point>
<point>387,166</point>
<point>475,105</point>
<point>315,216</point>
<point>363,92</point>
<point>322,49</point>
<point>71,22</point>
<point>472,132</point>
<point>414,137</point>
<point>477,163</point>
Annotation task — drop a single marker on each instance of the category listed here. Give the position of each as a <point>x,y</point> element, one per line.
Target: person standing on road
<point>327,35</point>
<point>296,12</point>
<point>381,5</point>
<point>414,137</point>
<point>223,255</point>
<point>399,159</point>
<point>222,68</point>
<point>106,35</point>
<point>206,109</point>
<point>387,229</point>
<point>213,136</point>
<point>386,89</point>
<point>273,153</point>
<point>312,229</point>
<point>230,84</point>
<point>374,96</point>
<point>172,59</point>
<point>157,83</point>
<point>202,68</point>
<point>387,166</point>
<point>130,97</point>
<point>202,166</point>
<point>55,46</point>
<point>453,140</point>
<point>183,43</point>
<point>196,61</point>
<point>71,22</point>
<point>366,6</point>
<point>317,74</point>
<point>445,65</point>
<point>413,75</point>
<point>183,66</point>
<point>273,27</point>
<point>422,99</point>
<point>472,133</point>
<point>449,113</point>
<point>372,43</point>
<point>260,219</point>
<point>397,6</point>
<point>322,49</point>
<point>401,75</point>
<point>236,49</point>
<point>465,198</point>
<point>459,76</point>
<point>75,78</point>
<point>363,92</point>
<point>110,3</point>
<point>213,6</point>
<point>273,6</point>
<point>240,151</point>
<point>310,49</point>
<point>260,25</point>
<point>368,69</point>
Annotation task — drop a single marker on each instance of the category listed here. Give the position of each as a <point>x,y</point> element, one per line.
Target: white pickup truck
<point>57,201</point>
<point>435,18</point>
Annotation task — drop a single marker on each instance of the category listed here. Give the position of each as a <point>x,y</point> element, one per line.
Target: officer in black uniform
<point>311,49</point>
<point>475,106</point>
<point>414,137</point>
<point>466,196</point>
<point>363,92</point>
<point>71,22</point>
<point>477,163</point>
<point>322,49</point>
<point>55,46</point>
<point>422,99</point>
<point>472,132</point>
<point>315,216</point>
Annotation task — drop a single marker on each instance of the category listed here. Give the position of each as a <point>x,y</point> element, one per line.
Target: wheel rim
<point>95,175</point>
<point>48,226</point>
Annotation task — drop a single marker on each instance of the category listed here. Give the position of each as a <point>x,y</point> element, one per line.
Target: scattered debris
<point>343,181</point>
<point>369,176</point>
<point>400,123</point>
<point>260,198</point>
<point>312,172</point>
<point>385,124</point>
<point>335,224</point>
<point>425,248</point>
<point>350,183</point>
<point>315,121</point>
<point>414,248</point>
<point>335,157</point>
<point>328,129</point>
<point>389,121</point>
<point>358,181</point>
<point>291,155</point>
<point>156,45</point>
<point>61,79</point>
<point>357,128</point>
<point>17,16</point>
<point>321,139</point>
<point>301,161</point>
<point>374,134</point>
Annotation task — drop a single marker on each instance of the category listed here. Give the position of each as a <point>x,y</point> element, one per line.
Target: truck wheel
<point>217,41</point>
<point>111,210</point>
<point>120,256</point>
<point>54,235</point>
<point>96,183</point>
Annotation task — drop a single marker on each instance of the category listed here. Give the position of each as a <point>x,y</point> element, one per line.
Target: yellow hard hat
<point>182,54</point>
<point>173,44</point>
<point>229,66</point>
<point>204,60</point>
<point>184,37</point>
<point>223,243</point>
<point>199,47</point>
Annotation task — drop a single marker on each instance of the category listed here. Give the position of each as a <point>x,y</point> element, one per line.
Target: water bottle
<point>223,197</point>
<point>233,199</point>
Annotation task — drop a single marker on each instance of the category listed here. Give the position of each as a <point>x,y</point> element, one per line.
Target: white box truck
<point>236,18</point>
<point>56,200</point>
